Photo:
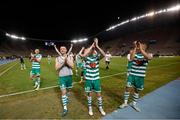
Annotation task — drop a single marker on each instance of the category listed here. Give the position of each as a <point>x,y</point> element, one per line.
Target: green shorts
<point>136,81</point>
<point>65,82</point>
<point>92,85</point>
<point>35,72</point>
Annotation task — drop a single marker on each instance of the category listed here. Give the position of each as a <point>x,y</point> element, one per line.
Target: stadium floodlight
<point>74,41</point>
<point>134,19</point>
<point>7,34</point>
<point>23,38</point>
<point>142,16</point>
<point>79,40</point>
<point>85,39</point>
<point>174,8</point>
<point>150,14</point>
<point>14,36</point>
<point>160,11</point>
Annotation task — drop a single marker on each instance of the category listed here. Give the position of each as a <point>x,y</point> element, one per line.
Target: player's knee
<point>63,92</point>
<point>98,94</point>
<point>127,89</point>
<point>136,90</point>
<point>89,94</point>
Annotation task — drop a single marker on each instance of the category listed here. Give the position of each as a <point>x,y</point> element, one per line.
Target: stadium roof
<point>69,20</point>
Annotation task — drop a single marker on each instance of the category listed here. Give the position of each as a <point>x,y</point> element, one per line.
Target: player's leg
<point>21,66</point>
<point>33,77</point>
<point>139,86</point>
<point>106,64</point>
<point>69,86</point>
<point>82,76</point>
<point>88,90</point>
<point>24,66</point>
<point>130,82</point>
<point>100,103</point>
<point>64,97</point>
<point>97,88</point>
<point>38,79</point>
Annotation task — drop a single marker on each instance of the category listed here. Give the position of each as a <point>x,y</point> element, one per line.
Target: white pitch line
<point>45,88</point>
<point>28,91</point>
<point>163,65</point>
<point>7,69</point>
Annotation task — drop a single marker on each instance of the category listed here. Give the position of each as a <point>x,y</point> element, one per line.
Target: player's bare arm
<point>70,62</point>
<point>88,51</point>
<point>58,66</point>
<point>80,52</point>
<point>133,52</point>
<point>145,54</point>
<point>97,46</point>
<point>70,49</point>
<point>57,50</point>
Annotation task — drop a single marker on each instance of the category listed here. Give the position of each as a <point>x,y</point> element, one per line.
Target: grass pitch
<point>46,103</point>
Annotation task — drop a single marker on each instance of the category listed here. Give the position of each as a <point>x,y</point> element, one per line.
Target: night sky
<point>69,20</point>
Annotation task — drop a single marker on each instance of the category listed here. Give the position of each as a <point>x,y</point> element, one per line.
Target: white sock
<point>65,107</point>
<point>125,101</point>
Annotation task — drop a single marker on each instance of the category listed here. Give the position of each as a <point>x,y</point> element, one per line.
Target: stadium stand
<point>163,41</point>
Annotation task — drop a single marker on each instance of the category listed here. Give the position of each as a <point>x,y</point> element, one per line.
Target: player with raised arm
<point>64,65</point>
<point>139,58</point>
<point>35,72</point>
<point>59,53</point>
<point>92,79</point>
<point>80,63</point>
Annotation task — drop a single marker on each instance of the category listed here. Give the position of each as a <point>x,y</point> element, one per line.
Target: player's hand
<point>135,44</point>
<point>96,42</point>
<point>71,45</point>
<point>140,46</point>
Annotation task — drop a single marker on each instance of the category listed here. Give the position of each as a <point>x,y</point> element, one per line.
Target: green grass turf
<point>46,103</point>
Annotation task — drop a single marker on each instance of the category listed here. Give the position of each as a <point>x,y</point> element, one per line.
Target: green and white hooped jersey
<point>139,65</point>
<point>80,62</point>
<point>92,67</point>
<point>36,65</point>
